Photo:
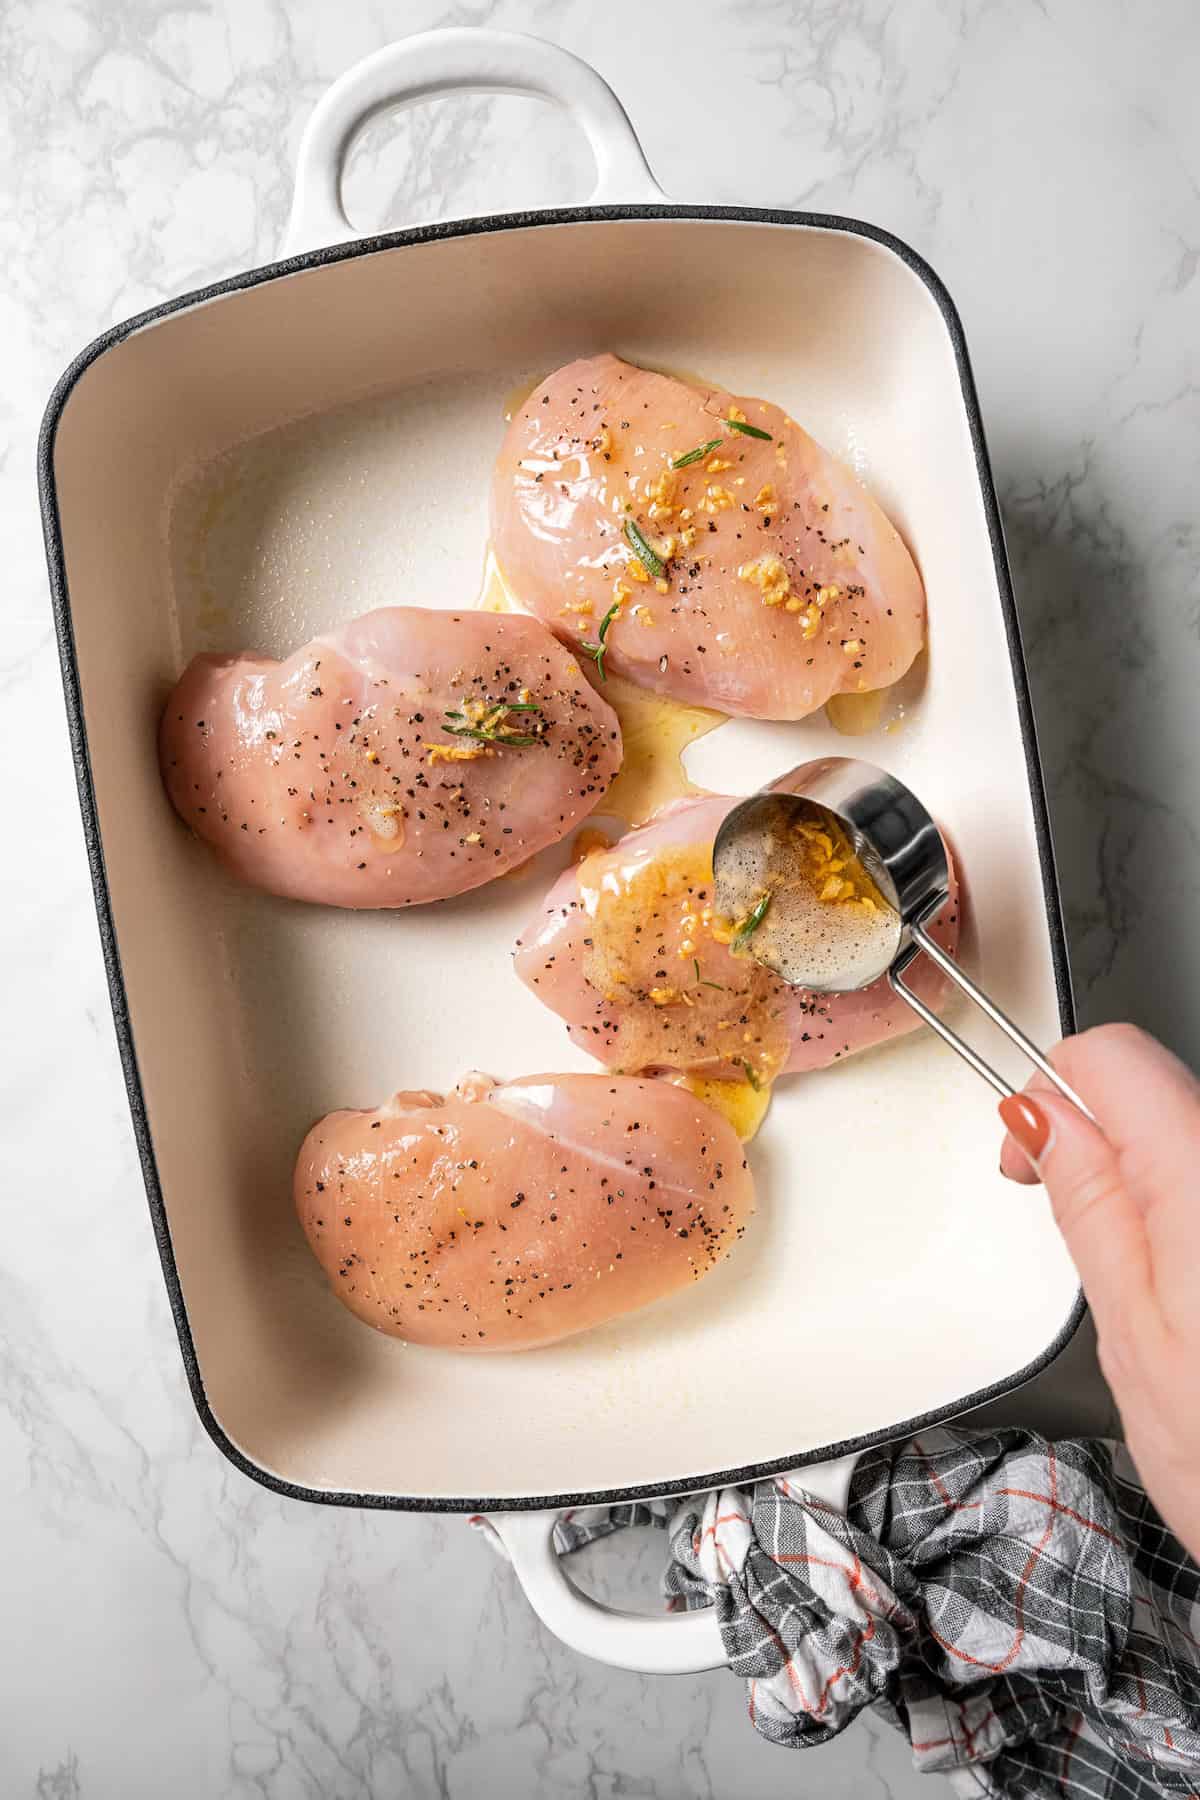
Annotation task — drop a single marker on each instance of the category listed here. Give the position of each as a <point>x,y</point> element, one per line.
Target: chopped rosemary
<point>517,741</point>
<point>751,923</point>
<point>599,650</point>
<point>749,430</point>
<point>485,722</point>
<point>700,980</point>
<point>691,456</point>
<point>752,1078</point>
<point>649,558</point>
<point>500,706</point>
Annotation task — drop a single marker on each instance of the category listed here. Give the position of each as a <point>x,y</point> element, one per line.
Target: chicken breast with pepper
<point>629,950</point>
<point>700,543</point>
<point>508,1215</point>
<point>406,756</point>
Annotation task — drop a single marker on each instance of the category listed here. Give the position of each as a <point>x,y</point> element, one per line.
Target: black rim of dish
<point>60,598</point>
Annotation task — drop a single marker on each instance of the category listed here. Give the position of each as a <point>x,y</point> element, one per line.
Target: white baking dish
<point>254,462</point>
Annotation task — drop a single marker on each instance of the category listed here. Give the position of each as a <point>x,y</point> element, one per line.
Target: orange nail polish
<point>1027,1124</point>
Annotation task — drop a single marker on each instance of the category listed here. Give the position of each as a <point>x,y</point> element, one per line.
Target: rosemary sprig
<point>752,1078</point>
<point>599,650</point>
<point>751,923</point>
<point>515,740</point>
<point>701,980</point>
<point>486,724</point>
<point>508,706</point>
<point>649,558</point>
<point>749,430</point>
<point>691,456</point>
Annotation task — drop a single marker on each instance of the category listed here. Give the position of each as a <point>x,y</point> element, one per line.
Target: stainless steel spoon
<point>901,849</point>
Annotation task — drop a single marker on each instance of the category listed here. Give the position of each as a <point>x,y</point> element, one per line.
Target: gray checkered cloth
<point>1014,1606</point>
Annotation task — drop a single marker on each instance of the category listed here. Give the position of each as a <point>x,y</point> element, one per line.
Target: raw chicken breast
<point>784,582</point>
<point>506,1216</point>
<point>624,950</point>
<point>406,756</point>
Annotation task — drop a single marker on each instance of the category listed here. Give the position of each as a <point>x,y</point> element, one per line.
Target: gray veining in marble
<point>166,1627</point>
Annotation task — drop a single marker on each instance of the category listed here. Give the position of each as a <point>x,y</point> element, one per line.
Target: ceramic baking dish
<point>258,460</point>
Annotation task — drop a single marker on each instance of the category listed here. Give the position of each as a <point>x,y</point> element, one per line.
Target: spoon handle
<point>921,941</point>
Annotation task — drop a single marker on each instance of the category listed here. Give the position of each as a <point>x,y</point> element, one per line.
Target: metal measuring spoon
<point>829,949</point>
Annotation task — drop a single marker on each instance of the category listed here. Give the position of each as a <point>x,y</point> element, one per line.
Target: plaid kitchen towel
<point>1014,1606</point>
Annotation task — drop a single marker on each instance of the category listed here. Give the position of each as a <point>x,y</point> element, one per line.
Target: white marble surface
<point>165,1626</point>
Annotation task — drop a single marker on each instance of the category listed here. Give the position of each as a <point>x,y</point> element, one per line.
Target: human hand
<point>1127,1200</point>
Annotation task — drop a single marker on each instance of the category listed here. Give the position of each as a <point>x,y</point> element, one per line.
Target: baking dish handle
<point>446,62</point>
<point>671,1644</point>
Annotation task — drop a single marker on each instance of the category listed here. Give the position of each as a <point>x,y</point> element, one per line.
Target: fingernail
<point>1027,1124</point>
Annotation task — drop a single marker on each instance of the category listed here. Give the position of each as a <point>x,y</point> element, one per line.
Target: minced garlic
<point>661,494</point>
<point>458,752</point>
<point>769,575</point>
<point>834,870</point>
<point>716,498</point>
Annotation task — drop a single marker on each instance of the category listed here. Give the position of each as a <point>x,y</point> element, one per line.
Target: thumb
<point>1100,1223</point>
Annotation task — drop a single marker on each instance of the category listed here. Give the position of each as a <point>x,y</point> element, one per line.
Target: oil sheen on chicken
<point>629,950</point>
<point>758,577</point>
<point>406,756</point>
<point>505,1216</point>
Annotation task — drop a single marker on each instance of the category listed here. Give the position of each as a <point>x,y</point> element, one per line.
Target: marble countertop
<point>167,1625</point>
